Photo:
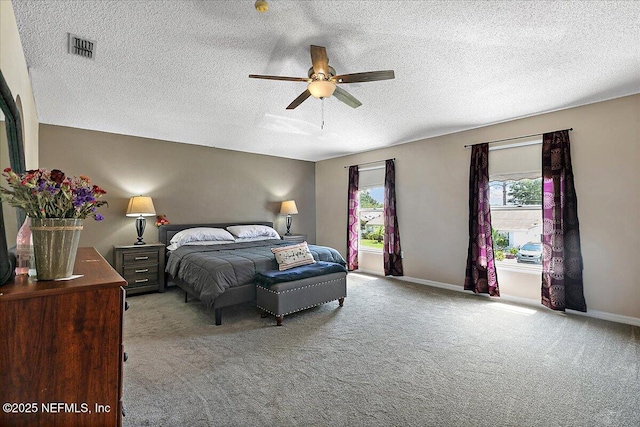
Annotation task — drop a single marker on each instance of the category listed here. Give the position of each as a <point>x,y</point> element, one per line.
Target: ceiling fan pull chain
<point>322,114</point>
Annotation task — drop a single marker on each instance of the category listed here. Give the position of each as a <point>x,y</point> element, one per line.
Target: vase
<point>55,243</point>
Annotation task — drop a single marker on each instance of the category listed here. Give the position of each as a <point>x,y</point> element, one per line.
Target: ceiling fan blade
<point>369,76</point>
<point>319,60</point>
<point>299,100</point>
<point>346,97</point>
<point>289,79</point>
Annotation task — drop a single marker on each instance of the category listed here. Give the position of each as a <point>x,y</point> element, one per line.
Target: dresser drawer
<point>140,257</point>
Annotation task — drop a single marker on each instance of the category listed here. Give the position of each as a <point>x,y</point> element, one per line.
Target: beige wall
<point>14,70</point>
<point>188,183</point>
<point>432,180</point>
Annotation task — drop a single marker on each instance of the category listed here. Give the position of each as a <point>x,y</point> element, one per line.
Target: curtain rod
<point>516,137</point>
<point>368,163</point>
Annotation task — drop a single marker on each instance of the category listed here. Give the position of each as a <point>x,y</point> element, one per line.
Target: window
<point>516,220</point>
<point>371,185</point>
<point>371,219</point>
<point>516,212</point>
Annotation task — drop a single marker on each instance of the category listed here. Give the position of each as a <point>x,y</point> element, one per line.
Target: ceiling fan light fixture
<point>321,88</point>
<point>262,6</point>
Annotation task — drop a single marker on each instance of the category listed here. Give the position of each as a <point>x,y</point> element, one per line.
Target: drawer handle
<point>140,258</point>
<point>126,305</point>
<point>144,270</point>
<point>142,280</point>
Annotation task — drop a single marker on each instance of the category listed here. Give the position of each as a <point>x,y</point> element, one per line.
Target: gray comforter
<point>210,270</point>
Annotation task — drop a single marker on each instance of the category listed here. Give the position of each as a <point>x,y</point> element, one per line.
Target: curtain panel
<point>392,252</point>
<point>353,222</point>
<point>562,285</point>
<point>480,275</point>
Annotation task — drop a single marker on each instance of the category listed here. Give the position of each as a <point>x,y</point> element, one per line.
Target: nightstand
<point>294,238</point>
<point>142,266</point>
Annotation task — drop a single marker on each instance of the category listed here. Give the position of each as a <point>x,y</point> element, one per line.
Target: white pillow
<point>293,256</point>
<point>254,239</point>
<point>174,246</point>
<point>199,234</point>
<point>253,231</point>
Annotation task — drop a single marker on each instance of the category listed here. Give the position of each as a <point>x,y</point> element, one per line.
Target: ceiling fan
<point>323,80</point>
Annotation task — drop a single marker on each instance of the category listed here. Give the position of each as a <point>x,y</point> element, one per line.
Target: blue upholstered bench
<point>284,292</point>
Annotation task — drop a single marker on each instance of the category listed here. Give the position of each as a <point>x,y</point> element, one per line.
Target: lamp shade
<point>321,88</point>
<point>288,208</point>
<point>140,206</point>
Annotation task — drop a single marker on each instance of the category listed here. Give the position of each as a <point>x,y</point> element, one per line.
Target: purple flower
<point>99,217</point>
<point>82,196</point>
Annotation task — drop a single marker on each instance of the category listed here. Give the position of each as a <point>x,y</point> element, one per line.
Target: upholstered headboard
<point>166,232</point>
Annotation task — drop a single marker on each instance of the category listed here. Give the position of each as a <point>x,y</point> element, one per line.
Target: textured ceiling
<point>178,70</point>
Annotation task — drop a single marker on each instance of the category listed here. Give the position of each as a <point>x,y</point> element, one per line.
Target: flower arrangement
<point>51,194</point>
<point>161,220</point>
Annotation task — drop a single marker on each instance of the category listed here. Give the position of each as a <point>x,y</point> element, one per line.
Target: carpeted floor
<point>396,354</point>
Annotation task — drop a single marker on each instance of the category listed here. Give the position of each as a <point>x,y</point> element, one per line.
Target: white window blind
<point>371,177</point>
<point>516,161</point>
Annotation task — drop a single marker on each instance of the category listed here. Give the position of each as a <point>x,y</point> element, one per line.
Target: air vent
<point>82,47</point>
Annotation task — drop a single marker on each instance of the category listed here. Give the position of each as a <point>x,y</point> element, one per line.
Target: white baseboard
<point>369,272</point>
<point>525,301</point>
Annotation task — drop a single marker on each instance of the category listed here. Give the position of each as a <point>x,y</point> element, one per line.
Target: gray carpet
<point>396,354</point>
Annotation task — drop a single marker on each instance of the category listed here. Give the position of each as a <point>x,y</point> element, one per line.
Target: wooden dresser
<point>61,350</point>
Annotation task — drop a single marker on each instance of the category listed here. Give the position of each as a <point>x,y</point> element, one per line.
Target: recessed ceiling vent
<point>81,46</point>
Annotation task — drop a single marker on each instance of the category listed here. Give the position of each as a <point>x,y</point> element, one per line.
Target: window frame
<point>515,266</point>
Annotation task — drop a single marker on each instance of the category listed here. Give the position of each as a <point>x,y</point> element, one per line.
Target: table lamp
<point>288,208</point>
<point>140,206</point>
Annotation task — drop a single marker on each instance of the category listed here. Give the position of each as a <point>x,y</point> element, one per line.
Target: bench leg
<point>218,312</point>
<point>341,301</point>
<point>279,320</point>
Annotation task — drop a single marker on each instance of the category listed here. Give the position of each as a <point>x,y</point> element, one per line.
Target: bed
<point>222,274</point>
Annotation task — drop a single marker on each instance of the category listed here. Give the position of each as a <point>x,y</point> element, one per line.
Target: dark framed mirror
<point>15,152</point>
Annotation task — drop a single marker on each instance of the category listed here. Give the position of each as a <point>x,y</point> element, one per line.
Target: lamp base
<point>289,220</point>
<point>141,224</point>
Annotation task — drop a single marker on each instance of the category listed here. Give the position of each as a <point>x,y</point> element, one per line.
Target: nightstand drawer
<point>140,257</point>
<point>146,279</point>
<point>294,238</point>
<point>132,274</point>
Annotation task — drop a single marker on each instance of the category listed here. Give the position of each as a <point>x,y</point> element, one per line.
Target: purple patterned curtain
<point>392,252</point>
<point>353,222</point>
<point>481,274</point>
<point>561,255</point>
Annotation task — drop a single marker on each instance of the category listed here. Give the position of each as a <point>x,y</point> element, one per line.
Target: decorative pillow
<point>253,231</point>
<point>293,256</point>
<point>199,234</point>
